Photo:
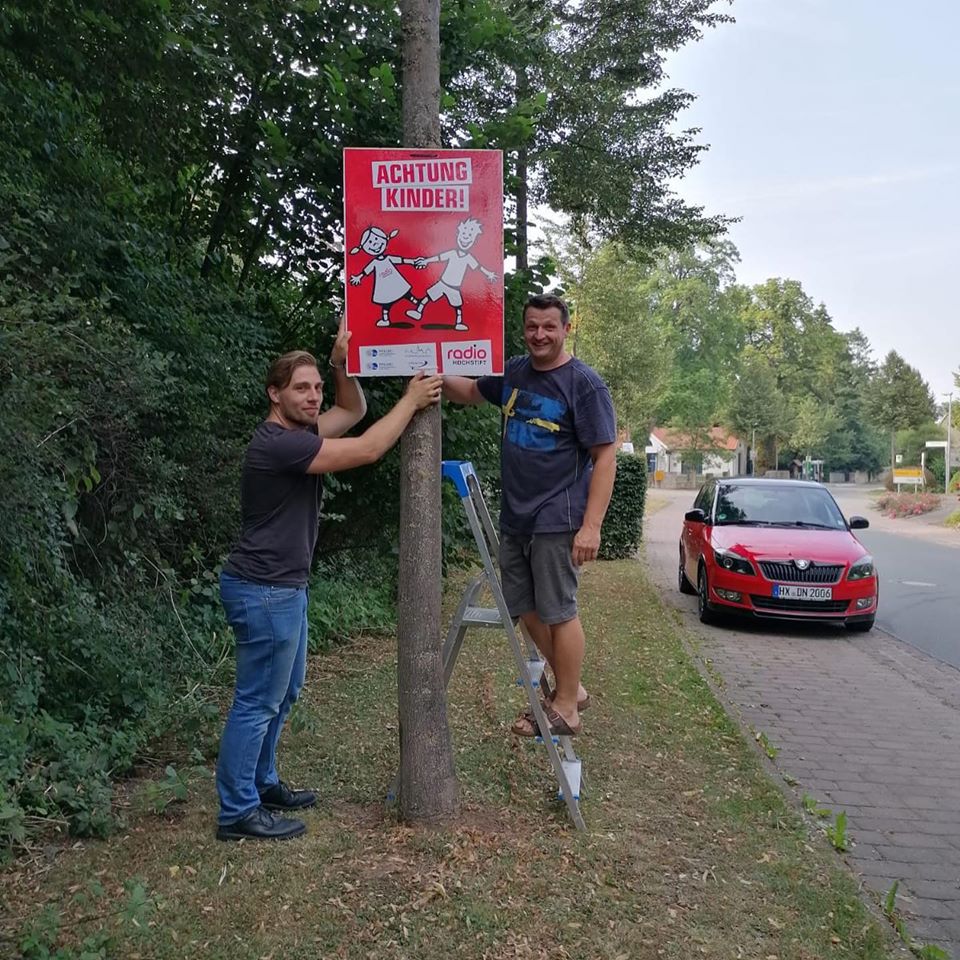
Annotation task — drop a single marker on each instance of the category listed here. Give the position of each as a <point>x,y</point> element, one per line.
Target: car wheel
<point>682,582</point>
<point>861,626</point>
<point>707,613</point>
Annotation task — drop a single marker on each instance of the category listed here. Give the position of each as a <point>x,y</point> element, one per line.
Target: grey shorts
<point>538,574</point>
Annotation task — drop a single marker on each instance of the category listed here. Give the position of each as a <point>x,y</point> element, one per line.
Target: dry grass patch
<point>690,849</point>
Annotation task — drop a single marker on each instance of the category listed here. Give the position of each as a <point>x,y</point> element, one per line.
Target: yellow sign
<point>658,476</point>
<point>902,473</point>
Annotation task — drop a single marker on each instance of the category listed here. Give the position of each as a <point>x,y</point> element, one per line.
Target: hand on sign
<point>423,390</point>
<point>419,263</point>
<point>338,356</point>
<point>356,278</point>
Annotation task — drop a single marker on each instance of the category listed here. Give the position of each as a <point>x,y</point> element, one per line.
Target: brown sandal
<point>526,724</point>
<point>559,726</point>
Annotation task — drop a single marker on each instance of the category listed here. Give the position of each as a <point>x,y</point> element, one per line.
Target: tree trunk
<point>239,168</point>
<point>259,235</point>
<point>523,260</point>
<point>428,783</point>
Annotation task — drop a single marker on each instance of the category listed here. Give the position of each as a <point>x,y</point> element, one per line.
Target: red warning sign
<point>424,261</point>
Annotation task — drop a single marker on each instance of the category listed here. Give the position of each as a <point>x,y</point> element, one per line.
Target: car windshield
<point>778,505</point>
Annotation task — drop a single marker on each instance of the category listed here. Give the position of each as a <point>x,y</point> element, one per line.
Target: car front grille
<point>787,572</point>
<point>800,606</point>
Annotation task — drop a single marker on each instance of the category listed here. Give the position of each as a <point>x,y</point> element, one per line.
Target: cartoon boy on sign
<point>389,285</point>
<point>457,263</point>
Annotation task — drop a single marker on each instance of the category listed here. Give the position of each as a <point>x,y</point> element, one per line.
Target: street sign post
<point>911,476</point>
<point>424,261</point>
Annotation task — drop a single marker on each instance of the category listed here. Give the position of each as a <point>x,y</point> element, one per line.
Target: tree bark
<point>523,261</point>
<point>428,783</point>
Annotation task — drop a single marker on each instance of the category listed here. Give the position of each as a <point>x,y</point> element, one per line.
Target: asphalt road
<point>919,592</point>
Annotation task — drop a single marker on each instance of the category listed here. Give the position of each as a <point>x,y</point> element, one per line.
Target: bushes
<point>907,504</point>
<point>623,527</point>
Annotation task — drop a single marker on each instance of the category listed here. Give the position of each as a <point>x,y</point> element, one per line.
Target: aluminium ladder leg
<point>530,664</point>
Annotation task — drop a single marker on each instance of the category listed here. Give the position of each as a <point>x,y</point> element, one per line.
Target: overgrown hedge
<point>129,387</point>
<point>623,526</point>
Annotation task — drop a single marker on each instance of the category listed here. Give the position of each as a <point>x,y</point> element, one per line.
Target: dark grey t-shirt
<point>279,506</point>
<point>551,419</point>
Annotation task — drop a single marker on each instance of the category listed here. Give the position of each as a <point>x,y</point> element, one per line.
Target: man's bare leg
<point>568,646</point>
<point>544,638</point>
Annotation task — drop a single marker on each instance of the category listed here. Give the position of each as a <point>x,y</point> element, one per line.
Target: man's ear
<point>273,394</point>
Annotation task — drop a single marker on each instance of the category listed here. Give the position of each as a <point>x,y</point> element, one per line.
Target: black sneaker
<point>261,825</point>
<point>281,797</point>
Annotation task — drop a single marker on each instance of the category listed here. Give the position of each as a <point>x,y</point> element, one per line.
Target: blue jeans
<point>270,625</point>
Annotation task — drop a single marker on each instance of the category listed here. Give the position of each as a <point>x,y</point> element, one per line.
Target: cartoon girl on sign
<point>389,285</point>
<point>457,263</point>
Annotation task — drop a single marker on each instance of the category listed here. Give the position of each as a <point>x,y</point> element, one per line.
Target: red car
<point>776,548</point>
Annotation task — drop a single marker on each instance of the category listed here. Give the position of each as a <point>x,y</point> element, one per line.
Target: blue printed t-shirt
<point>551,419</point>
<point>279,507</point>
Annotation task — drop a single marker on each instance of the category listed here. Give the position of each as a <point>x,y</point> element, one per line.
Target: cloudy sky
<point>834,133</point>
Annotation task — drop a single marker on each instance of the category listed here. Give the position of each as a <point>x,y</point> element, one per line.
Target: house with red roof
<point>715,453</point>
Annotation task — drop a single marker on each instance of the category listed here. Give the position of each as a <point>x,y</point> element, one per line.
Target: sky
<point>834,134</point>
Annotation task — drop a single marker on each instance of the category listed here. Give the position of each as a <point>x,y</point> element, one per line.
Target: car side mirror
<point>696,515</point>
<point>859,523</point>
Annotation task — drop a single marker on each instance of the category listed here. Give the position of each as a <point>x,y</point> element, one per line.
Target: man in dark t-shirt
<point>264,581</point>
<point>557,463</point>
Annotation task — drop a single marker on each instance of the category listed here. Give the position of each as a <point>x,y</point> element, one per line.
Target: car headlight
<point>862,569</point>
<point>733,563</point>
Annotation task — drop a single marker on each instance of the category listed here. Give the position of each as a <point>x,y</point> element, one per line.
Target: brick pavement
<point>865,724</point>
<point>861,734</point>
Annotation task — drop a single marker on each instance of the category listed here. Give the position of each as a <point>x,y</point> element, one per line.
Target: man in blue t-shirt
<point>558,462</point>
<point>263,586</point>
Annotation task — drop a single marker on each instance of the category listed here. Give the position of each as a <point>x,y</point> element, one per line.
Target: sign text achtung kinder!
<point>423,184</point>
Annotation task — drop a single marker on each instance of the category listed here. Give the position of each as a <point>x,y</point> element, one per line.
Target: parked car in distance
<point>776,548</point>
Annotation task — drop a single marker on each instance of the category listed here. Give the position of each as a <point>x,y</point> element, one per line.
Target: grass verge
<point>690,849</point>
<point>654,504</point>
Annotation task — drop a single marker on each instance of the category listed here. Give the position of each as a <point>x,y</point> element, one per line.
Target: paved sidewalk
<point>872,728</point>
<point>865,724</point>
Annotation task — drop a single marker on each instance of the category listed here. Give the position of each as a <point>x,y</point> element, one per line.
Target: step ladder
<point>530,664</point>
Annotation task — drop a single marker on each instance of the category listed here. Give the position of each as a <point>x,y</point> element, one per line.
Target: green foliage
<point>898,398</point>
<point>173,788</point>
<point>623,526</point>
<point>349,597</point>
<point>837,832</point>
<point>812,807</point>
<point>613,333</point>
<point>170,196</point>
<point>41,937</point>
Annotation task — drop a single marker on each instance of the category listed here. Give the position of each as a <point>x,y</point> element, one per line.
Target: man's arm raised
<point>462,390</point>
<point>350,405</point>
<point>370,446</point>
